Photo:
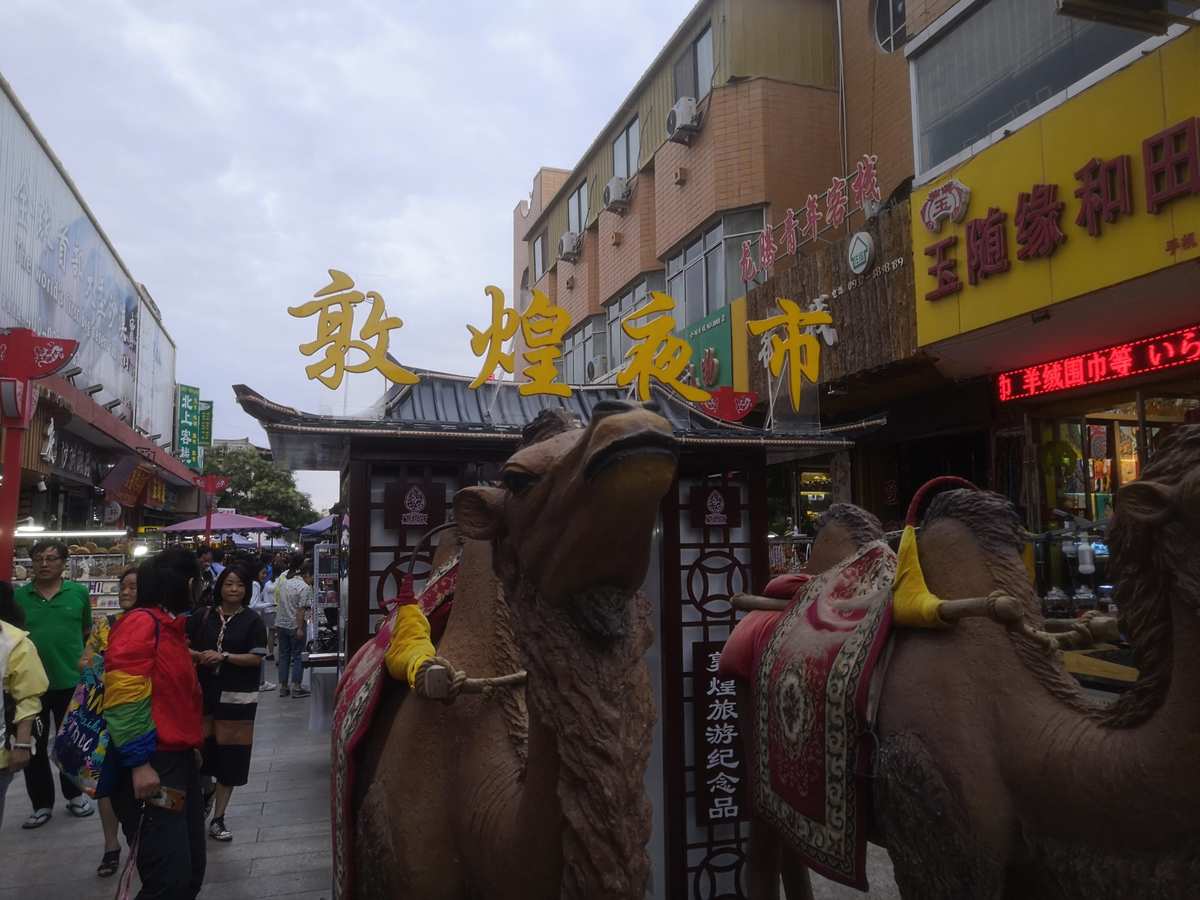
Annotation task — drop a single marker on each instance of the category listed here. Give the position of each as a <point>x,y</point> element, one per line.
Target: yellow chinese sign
<point>335,303</point>
<point>657,354</point>
<point>491,340</point>
<point>797,346</point>
<point>543,327</point>
<point>1092,194</point>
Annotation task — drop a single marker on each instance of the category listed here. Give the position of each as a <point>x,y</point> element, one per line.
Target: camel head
<point>842,531</point>
<point>970,545</point>
<point>572,516</point>
<point>1154,537</point>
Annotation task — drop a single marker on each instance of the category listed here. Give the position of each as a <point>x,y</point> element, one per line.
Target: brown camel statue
<point>995,776</point>
<point>535,793</point>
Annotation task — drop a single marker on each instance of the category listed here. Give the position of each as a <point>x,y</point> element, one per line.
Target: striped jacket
<point>151,694</point>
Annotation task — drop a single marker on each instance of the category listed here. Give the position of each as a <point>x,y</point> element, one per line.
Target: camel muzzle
<point>648,442</point>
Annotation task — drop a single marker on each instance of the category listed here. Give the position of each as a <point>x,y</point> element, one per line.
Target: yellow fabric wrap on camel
<point>410,645</point>
<point>913,606</point>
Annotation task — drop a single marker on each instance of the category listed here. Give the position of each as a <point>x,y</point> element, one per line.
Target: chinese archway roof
<point>442,407</point>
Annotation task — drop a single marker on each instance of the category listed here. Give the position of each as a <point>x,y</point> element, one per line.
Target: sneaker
<point>284,692</point>
<point>218,832</point>
<point>81,807</point>
<point>267,686</point>
<point>301,693</point>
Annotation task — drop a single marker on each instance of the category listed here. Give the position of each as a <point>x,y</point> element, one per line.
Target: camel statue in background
<point>534,793</point>
<point>995,776</point>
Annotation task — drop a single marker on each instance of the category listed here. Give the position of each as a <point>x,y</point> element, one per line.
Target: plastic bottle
<point>1087,559</point>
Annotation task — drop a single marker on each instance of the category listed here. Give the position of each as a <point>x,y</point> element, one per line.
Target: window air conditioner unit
<point>597,367</point>
<point>616,194</point>
<point>568,246</point>
<point>683,120</point>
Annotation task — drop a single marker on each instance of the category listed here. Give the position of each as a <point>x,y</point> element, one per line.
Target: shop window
<point>577,208</point>
<point>695,68</point>
<point>626,149</point>
<point>705,275</point>
<point>539,257</point>
<point>996,63</point>
<point>889,24</point>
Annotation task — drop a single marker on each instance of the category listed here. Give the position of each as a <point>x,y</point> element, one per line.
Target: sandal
<point>37,819</point>
<point>109,863</point>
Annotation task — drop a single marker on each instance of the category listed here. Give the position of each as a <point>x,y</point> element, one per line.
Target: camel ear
<point>1146,502</point>
<point>478,511</point>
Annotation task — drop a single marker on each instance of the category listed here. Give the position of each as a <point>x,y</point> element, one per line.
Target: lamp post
<point>212,485</point>
<point>24,357</point>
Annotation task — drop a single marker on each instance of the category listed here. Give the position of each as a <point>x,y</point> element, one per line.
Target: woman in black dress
<point>229,643</point>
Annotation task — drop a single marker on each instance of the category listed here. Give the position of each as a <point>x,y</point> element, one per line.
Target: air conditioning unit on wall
<point>568,246</point>
<point>597,367</point>
<point>616,194</point>
<point>683,120</point>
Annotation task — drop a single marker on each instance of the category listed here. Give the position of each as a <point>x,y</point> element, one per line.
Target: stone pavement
<point>280,825</point>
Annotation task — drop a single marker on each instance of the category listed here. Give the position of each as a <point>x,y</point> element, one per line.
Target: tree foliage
<point>259,487</point>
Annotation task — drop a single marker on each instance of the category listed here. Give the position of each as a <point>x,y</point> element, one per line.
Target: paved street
<point>280,822</point>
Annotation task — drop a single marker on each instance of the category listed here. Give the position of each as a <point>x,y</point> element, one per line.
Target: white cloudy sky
<point>233,151</point>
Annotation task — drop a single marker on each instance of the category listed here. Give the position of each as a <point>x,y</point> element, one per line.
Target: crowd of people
<point>182,665</point>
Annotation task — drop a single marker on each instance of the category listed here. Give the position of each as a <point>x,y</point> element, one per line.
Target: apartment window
<point>706,274</point>
<point>889,24</point>
<point>577,208</point>
<point>997,63</point>
<point>586,344</point>
<point>616,311</point>
<point>626,148</point>
<point>694,70</point>
<point>539,257</point>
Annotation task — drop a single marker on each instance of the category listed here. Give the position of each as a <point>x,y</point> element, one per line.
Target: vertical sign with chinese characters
<point>187,425</point>
<point>720,766</point>
<point>206,422</point>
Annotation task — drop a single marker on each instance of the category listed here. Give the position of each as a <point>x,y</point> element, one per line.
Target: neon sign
<point>1152,354</point>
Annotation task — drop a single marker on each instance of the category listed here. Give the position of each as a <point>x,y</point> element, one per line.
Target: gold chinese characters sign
<point>657,353</point>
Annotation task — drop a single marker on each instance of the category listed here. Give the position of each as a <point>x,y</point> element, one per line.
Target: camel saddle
<point>814,712</point>
<point>357,698</point>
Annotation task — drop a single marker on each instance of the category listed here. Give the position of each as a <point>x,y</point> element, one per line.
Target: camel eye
<point>518,482</point>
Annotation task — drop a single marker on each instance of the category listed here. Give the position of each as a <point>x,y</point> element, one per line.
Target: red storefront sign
<point>1152,354</point>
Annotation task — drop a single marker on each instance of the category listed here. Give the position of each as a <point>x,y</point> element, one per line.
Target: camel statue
<point>535,793</point>
<point>995,776</point>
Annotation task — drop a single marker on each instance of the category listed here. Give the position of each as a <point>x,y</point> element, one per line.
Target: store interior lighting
<point>38,531</point>
<point>140,550</point>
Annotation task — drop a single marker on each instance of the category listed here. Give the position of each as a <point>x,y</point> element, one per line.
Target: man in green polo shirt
<point>58,617</point>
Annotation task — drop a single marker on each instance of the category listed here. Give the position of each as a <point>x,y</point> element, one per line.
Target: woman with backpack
<point>93,655</point>
<point>152,708</point>
<point>22,682</point>
<point>231,642</point>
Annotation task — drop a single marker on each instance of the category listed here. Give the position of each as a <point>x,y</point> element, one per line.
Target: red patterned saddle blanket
<point>357,698</point>
<point>813,716</point>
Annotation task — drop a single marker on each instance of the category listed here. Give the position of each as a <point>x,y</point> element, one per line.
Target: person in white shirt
<point>293,602</point>
<point>263,602</point>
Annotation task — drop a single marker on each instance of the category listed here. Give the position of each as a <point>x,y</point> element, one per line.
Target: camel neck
<point>590,714</point>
